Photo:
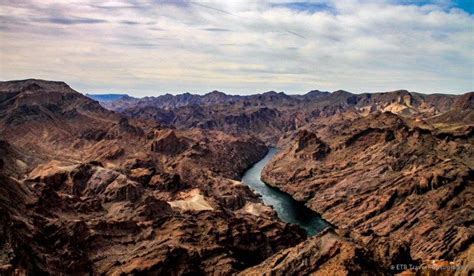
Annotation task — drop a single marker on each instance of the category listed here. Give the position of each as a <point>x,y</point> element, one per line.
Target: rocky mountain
<point>42,115</point>
<point>86,190</point>
<point>461,114</point>
<point>270,115</point>
<point>152,186</point>
<point>168,101</point>
<point>386,182</point>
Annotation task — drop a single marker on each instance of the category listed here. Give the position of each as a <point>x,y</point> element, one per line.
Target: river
<point>288,209</point>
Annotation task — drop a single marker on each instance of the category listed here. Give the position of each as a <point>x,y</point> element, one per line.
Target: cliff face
<point>386,181</point>
<point>85,190</point>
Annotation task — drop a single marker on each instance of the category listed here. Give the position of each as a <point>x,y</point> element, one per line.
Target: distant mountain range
<point>271,114</point>
<point>398,101</point>
<point>108,97</point>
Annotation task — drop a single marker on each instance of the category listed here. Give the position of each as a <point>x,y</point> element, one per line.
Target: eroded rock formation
<point>87,190</point>
<point>102,194</point>
<point>388,182</point>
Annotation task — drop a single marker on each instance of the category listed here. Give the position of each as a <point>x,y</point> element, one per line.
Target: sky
<point>152,47</point>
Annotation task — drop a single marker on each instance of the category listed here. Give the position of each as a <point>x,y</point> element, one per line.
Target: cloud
<point>70,21</point>
<point>216,30</point>
<point>147,47</point>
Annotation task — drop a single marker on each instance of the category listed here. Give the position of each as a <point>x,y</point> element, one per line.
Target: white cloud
<point>150,47</point>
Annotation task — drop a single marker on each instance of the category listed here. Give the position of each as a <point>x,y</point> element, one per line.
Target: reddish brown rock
<point>84,201</point>
<point>99,193</point>
<point>270,115</point>
<point>310,146</point>
<point>324,254</point>
<point>168,143</point>
<point>411,190</point>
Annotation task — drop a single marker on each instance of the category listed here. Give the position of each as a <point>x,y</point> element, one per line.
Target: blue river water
<point>288,209</point>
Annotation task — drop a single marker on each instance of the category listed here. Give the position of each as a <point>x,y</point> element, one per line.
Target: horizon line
<point>158,94</point>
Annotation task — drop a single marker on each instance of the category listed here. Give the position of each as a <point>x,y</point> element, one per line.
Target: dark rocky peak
<point>217,97</point>
<point>315,94</point>
<point>215,93</point>
<point>37,105</point>
<point>341,93</point>
<point>274,96</point>
<point>34,91</point>
<point>270,93</point>
<point>342,96</point>
<point>31,88</point>
<point>316,91</point>
<point>167,101</point>
<point>214,97</point>
<point>34,85</point>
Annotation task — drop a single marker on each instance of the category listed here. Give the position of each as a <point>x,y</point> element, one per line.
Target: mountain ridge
<point>236,114</point>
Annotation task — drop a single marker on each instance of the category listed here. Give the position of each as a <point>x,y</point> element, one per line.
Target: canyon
<point>157,185</point>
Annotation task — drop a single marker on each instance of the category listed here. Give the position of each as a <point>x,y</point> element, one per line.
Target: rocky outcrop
<point>309,146</point>
<point>167,182</point>
<point>168,143</point>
